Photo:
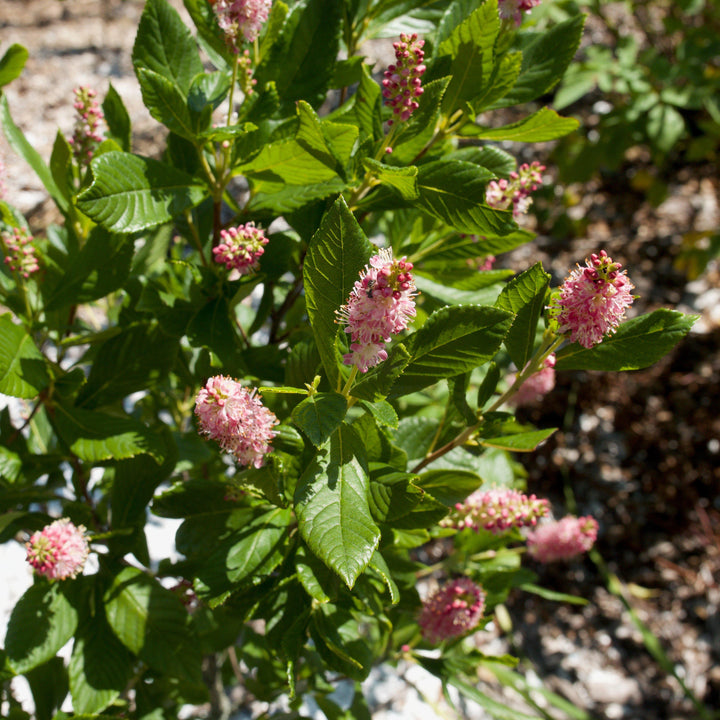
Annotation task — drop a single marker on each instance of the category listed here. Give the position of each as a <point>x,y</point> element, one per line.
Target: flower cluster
<point>515,8</point>
<point>402,84</point>
<point>497,510</point>
<point>59,550</point>
<point>88,114</point>
<point>562,540</point>
<point>451,611</point>
<point>380,305</point>
<point>241,20</point>
<point>536,386</point>
<point>593,300</point>
<point>515,191</point>
<point>241,248</point>
<point>20,256</point>
<point>236,419</point>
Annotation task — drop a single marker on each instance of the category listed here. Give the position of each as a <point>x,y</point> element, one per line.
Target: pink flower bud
<point>236,419</point>
<point>497,510</point>
<point>562,540</point>
<point>241,248</point>
<point>404,75</point>
<point>380,305</point>
<point>451,611</point>
<point>86,136</point>
<point>515,8</point>
<point>20,255</point>
<point>593,300</point>
<point>241,20</point>
<point>59,550</point>
<point>503,194</point>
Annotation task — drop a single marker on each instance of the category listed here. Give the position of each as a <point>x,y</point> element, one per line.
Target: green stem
<point>350,381</point>
<point>535,364</point>
<point>195,237</point>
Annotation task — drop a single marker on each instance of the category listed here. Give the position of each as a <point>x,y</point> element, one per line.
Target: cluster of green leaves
<point>129,317</point>
<point>662,82</point>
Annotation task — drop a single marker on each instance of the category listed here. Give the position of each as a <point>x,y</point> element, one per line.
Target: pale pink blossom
<point>59,550</point>
<point>241,248</point>
<point>562,540</point>
<point>513,9</point>
<point>380,305</point>
<point>88,114</point>
<point>20,257</point>
<point>241,20</point>
<point>514,192</point>
<point>453,610</point>
<point>535,387</point>
<point>236,419</point>
<point>497,510</point>
<point>402,84</point>
<point>593,300</point>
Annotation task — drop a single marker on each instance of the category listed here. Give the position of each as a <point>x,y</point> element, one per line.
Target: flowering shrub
<point>315,409</point>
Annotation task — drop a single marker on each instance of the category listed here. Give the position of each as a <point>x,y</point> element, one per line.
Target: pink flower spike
<point>497,510</point>
<point>241,20</point>
<point>21,256</point>
<point>402,84</point>
<point>593,300</point>
<point>515,192</point>
<point>86,136</point>
<point>562,540</point>
<point>380,305</point>
<point>453,610</point>
<point>241,248</point>
<point>59,550</point>
<point>236,419</point>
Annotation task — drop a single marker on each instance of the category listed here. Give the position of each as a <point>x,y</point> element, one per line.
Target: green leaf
<point>401,179</point>
<point>188,498</point>
<point>454,192</point>
<point>135,359</point>
<point>520,442</point>
<point>320,583</point>
<point>23,372</point>
<point>49,686</point>
<point>152,623</point>
<point>376,384</point>
<point>368,106</point>
<point>100,666</point>
<point>311,136</point>
<point>498,710</point>
<point>96,436</point>
<point>665,126</point>
<point>545,124</point>
<point>378,564</point>
<point>246,556</point>
<point>117,118</point>
<point>41,623</point>
<point>383,412</point>
<point>211,327</point>
<point>524,296</point>
<point>12,63</point>
<point>401,504</point>
<point>454,340</point>
<point>19,143</point>
<point>165,46</point>
<point>131,193</point>
<point>545,58</point>
<point>319,415</point>
<point>99,268</point>
<point>471,46</point>
<point>299,70</point>
<point>449,486</point>
<point>337,252</point>
<point>331,503</point>
<point>337,636</point>
<point>165,102</point>
<point>637,344</point>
